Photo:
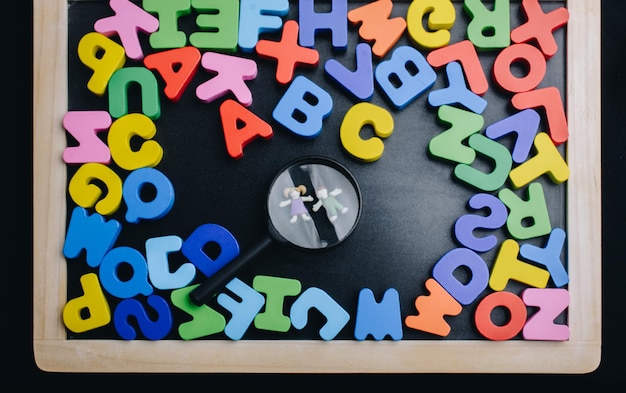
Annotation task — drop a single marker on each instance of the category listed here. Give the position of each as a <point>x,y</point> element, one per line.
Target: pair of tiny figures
<point>296,199</point>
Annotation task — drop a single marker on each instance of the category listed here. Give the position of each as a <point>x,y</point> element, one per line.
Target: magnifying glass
<point>313,204</point>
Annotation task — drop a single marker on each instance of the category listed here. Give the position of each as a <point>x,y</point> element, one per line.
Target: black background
<point>613,40</point>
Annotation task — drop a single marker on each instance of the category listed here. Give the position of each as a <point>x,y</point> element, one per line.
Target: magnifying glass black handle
<point>203,292</point>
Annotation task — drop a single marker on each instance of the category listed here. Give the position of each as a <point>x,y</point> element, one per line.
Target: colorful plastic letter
<point>540,26</point>
<point>303,107</point>
<point>287,52</point>
<point>177,67</point>
<point>241,127</point>
<point>497,153</point>
<point>127,128</point>
<point>128,21</point>
<point>336,316</point>
<point>376,25</point>
<point>220,25</point>
<point>525,124</point>
<point>83,126</point>
<point>449,144</point>
<point>522,53</point>
<point>550,99</point>
<point>205,320</point>
<point>549,256</point>
<point>275,289</point>
<point>507,267</point>
<point>551,302</point>
<point>92,300</point>
<point>232,72</point>
<point>457,92</point>
<point>360,82</point>
<point>534,209</point>
<point>243,312</point>
<point>85,192</point>
<point>431,310</point>
<point>488,29</point>
<point>153,209</point>
<point>548,161</point>
<point>516,311</point>
<point>204,235</point>
<point>91,233</point>
<point>441,18</point>
<point>335,20</point>
<point>465,53</point>
<point>125,288</point>
<point>259,16</point>
<point>378,319</point>
<point>157,250</point>
<point>118,92</point>
<point>405,76</point>
<point>168,12</point>
<point>152,330</point>
<point>104,56</point>
<point>443,272</point>
<point>465,225</point>
<point>356,118</point>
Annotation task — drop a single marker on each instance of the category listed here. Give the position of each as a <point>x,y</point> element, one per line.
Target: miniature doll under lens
<point>330,203</point>
<point>296,200</point>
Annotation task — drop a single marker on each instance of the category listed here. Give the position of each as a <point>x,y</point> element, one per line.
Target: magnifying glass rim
<point>312,160</point>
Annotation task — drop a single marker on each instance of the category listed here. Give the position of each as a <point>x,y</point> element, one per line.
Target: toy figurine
<point>330,203</point>
<point>296,200</point>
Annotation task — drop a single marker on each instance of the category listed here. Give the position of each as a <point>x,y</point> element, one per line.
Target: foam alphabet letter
<point>128,21</point>
<point>441,18</point>
<point>259,16</point>
<point>501,158</point>
<point>153,209</point>
<point>93,300</point>
<point>205,320</point>
<point>127,128</point>
<point>376,25</point>
<point>548,161</point>
<point>85,192</point>
<point>83,126</point>
<point>232,72</point>
<point>356,118</point>
<point>157,250</point>
<point>237,136</point>
<point>152,330</point>
<point>449,144</point>
<point>405,76</point>
<point>540,26</point>
<point>206,234</point>
<point>465,53</point>
<point>90,233</point>
<point>303,107</point>
<point>336,316</point>
<point>336,21</point>
<point>522,53</point>
<point>443,272</point>
<point>220,25</point>
<point>104,56</point>
<point>507,267</point>
<point>488,29</point>
<point>457,92</point>
<point>525,124</point>
<point>360,82</point>
<point>378,319</point>
<point>118,92</point>
<point>243,312</point>
<point>177,67</point>
<point>551,302</point>
<point>534,209</point>
<point>121,287</point>
<point>501,331</point>
<point>549,256</point>
<point>168,12</point>
<point>431,310</point>
<point>550,99</point>
<point>275,289</point>
<point>465,225</point>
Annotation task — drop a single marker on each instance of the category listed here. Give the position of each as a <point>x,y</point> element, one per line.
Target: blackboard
<point>411,199</point>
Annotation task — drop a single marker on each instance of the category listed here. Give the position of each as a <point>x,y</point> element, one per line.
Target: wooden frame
<point>580,354</point>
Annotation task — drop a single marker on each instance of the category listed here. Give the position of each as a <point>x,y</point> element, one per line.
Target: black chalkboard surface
<point>410,198</point>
